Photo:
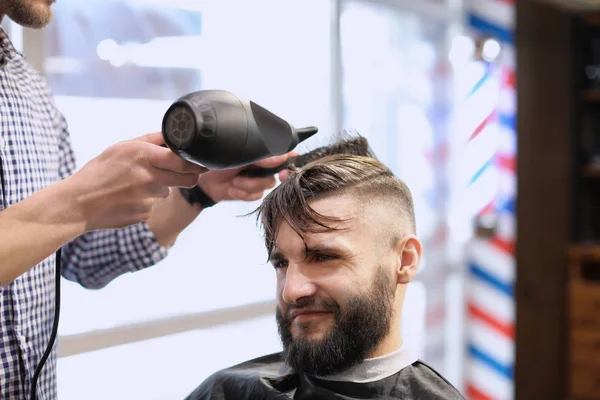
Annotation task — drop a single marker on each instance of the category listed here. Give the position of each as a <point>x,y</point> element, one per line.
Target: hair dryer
<point>217,130</point>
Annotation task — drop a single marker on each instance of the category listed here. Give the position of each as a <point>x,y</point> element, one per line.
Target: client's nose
<point>297,285</point>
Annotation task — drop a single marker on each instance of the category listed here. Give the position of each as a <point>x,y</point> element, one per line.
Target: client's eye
<point>323,257</point>
<point>280,264</point>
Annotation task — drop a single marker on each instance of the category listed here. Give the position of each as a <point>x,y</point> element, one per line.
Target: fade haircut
<point>366,178</point>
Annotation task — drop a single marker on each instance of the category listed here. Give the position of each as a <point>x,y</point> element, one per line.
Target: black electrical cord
<point>36,375</point>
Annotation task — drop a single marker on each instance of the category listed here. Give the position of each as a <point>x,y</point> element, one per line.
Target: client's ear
<point>409,253</point>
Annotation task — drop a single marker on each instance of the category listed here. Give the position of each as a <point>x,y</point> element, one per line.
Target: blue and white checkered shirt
<point>35,151</point>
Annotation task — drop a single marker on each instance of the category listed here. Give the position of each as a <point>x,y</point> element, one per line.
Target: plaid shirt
<point>35,151</point>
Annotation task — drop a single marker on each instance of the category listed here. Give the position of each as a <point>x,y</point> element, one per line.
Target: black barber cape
<point>269,378</point>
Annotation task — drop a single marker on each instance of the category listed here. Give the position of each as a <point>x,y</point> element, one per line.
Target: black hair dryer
<point>217,130</point>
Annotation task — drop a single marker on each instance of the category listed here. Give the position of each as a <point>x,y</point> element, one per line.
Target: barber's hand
<point>226,185</point>
<point>124,184</point>
<point>283,175</point>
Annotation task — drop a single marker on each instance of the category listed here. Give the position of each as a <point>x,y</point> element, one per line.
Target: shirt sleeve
<point>96,258</point>
<point>93,260</point>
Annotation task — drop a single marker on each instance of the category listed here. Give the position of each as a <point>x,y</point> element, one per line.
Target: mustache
<point>313,303</point>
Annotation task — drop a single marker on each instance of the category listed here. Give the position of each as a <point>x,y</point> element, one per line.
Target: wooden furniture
<point>584,322</point>
<point>558,203</point>
<point>583,283</point>
<point>545,114</point>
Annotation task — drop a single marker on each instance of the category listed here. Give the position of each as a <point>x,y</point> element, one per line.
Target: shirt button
<point>2,143</point>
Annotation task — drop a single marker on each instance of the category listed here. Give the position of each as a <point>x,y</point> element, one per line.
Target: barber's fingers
<point>164,158</point>
<point>161,180</point>
<point>253,184</point>
<point>275,161</point>
<point>151,147</point>
<point>163,192</point>
<point>283,175</point>
<point>155,138</point>
<point>239,194</point>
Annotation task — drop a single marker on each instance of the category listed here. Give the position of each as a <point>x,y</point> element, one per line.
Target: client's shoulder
<point>427,383</point>
<point>240,379</point>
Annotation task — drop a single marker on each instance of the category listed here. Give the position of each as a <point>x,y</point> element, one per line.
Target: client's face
<point>335,293</point>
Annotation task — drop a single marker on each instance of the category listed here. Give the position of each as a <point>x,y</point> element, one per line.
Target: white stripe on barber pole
<point>498,346</point>
<point>492,302</point>
<point>495,260</point>
<point>496,386</point>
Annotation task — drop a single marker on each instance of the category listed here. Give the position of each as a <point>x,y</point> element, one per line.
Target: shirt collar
<point>374,369</point>
<point>7,49</point>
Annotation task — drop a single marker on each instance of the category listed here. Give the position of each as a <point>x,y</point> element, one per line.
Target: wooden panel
<point>585,382</point>
<point>545,89</point>
<point>574,6</point>
<point>591,170</point>
<point>584,310</point>
<point>582,252</point>
<point>585,348</point>
<point>591,95</point>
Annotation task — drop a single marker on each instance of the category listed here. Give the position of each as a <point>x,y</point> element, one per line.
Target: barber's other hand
<point>124,184</point>
<point>226,185</point>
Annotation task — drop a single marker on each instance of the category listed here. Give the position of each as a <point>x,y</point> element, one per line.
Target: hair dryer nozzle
<point>305,133</point>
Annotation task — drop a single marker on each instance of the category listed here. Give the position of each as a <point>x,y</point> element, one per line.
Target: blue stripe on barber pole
<point>491,264</point>
<point>509,121</point>
<point>484,78</point>
<point>505,370</point>
<point>480,273</point>
<point>499,13</point>
<point>495,260</point>
<point>481,170</point>
<point>507,205</point>
<point>491,29</point>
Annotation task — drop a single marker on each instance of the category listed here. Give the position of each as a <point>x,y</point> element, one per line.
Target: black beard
<point>358,329</point>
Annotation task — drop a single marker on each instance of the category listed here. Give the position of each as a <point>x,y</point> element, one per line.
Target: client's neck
<point>393,340</point>
<point>389,345</point>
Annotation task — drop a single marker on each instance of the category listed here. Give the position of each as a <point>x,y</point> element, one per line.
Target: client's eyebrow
<point>341,250</point>
<point>324,249</point>
<point>275,256</point>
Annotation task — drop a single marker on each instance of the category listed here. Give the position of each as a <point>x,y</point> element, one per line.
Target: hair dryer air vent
<point>181,126</point>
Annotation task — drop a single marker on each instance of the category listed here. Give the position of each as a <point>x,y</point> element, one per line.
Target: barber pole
<point>491,260</point>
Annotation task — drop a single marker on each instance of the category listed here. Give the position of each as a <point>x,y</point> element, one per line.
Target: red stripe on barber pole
<point>437,154</point>
<point>504,245</point>
<point>509,78</point>
<point>507,162</point>
<point>474,394</point>
<point>435,316</point>
<point>489,208</point>
<point>507,330</point>
<point>483,124</point>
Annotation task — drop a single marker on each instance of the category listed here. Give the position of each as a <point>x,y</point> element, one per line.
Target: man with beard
<point>340,233</point>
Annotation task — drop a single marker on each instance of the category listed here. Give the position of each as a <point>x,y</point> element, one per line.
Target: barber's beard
<point>32,14</point>
<point>357,330</point>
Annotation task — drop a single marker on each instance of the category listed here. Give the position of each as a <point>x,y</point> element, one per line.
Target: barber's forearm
<point>33,229</point>
<point>171,217</point>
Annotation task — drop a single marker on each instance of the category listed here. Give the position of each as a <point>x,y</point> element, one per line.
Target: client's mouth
<point>307,313</point>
